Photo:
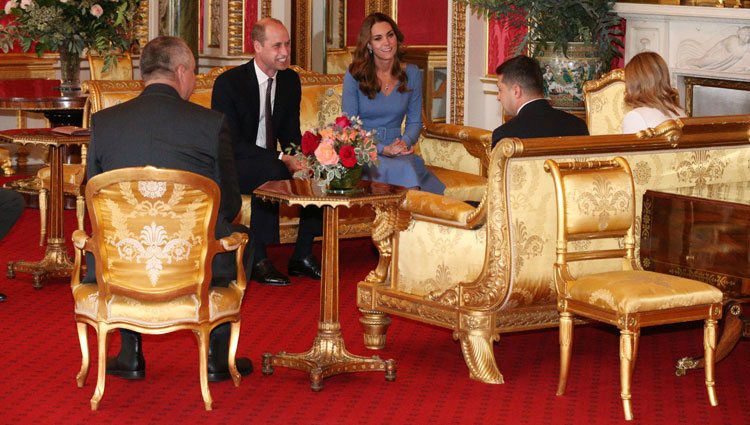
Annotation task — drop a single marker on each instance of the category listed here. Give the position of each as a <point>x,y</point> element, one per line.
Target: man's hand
<point>292,163</point>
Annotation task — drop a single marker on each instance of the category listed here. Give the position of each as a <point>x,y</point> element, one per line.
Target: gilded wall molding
<point>265,8</point>
<point>235,27</point>
<point>141,26</point>
<point>214,24</point>
<point>302,30</point>
<point>389,7</point>
<point>458,59</point>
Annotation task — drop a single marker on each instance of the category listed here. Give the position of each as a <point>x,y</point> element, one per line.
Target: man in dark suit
<point>520,90</point>
<point>261,100</point>
<point>11,208</point>
<point>161,128</point>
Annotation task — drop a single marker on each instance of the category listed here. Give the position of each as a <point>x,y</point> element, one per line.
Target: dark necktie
<point>270,139</point>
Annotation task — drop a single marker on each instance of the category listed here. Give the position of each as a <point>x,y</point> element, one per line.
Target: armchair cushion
<point>461,185</point>
<point>438,207</point>
<point>628,292</point>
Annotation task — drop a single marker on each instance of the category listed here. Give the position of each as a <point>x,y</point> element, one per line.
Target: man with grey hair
<point>261,100</point>
<point>162,128</point>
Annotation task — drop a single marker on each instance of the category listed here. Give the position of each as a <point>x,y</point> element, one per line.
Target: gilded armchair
<point>596,201</point>
<point>605,103</point>
<point>153,240</point>
<point>122,69</point>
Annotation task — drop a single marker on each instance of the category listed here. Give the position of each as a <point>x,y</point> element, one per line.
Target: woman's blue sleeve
<point>414,109</point>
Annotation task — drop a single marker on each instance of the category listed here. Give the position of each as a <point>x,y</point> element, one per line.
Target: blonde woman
<point>649,93</point>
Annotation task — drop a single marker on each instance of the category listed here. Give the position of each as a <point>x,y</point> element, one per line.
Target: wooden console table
<point>56,262</point>
<point>328,355</point>
<point>703,234</point>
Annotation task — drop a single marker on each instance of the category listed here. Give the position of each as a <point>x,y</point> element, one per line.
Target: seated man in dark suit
<point>11,208</point>
<point>520,90</point>
<point>261,100</point>
<point>161,128</point>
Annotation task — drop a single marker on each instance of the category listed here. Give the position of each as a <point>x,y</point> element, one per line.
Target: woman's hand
<point>397,148</point>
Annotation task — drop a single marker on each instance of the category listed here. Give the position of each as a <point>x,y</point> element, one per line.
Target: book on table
<point>72,130</point>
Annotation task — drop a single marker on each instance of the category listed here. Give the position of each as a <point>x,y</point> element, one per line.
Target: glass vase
<point>70,70</point>
<point>348,180</point>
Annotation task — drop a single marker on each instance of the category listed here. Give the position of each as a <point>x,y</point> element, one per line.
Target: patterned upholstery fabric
<point>605,103</point>
<point>153,240</point>
<point>122,70</point>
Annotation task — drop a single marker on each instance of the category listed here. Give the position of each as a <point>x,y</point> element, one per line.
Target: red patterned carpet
<point>40,357</point>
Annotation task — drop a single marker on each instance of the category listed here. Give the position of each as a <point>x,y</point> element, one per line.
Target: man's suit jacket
<point>161,129</point>
<point>236,94</point>
<point>539,119</point>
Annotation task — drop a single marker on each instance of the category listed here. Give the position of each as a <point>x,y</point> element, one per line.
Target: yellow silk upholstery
<point>628,292</point>
<point>460,185</point>
<point>605,103</point>
<point>439,207</point>
<point>321,100</point>
<point>73,175</point>
<point>595,200</point>
<point>153,240</point>
<point>338,60</point>
<point>121,70</point>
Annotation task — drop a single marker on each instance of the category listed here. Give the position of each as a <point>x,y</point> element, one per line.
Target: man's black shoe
<point>221,373</point>
<point>126,371</point>
<point>307,266</point>
<point>2,297</point>
<point>264,272</point>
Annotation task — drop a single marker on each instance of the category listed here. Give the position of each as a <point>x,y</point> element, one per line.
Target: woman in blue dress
<point>382,90</point>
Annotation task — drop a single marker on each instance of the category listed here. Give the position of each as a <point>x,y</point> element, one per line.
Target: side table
<point>328,355</point>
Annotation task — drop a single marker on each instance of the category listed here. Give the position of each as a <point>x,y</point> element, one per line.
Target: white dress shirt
<point>262,86</point>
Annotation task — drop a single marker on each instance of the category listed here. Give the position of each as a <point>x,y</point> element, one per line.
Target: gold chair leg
<point>234,337</point>
<point>83,341</point>
<point>566,346</point>
<point>80,210</point>
<point>202,335</point>
<point>375,324</point>
<point>42,216</point>
<point>709,345</point>
<point>102,334</point>
<point>480,357</point>
<point>627,354</point>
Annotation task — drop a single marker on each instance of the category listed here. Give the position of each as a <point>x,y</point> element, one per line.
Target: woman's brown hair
<point>363,61</point>
<point>647,84</point>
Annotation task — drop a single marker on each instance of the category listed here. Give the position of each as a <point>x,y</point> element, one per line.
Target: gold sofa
<point>488,270</point>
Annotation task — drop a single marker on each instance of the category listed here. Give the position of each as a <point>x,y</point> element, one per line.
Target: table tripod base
<point>55,264</point>
<point>328,357</point>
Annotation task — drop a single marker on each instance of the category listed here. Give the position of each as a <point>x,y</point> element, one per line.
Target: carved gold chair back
<point>153,240</point>
<point>604,100</point>
<point>121,69</point>
<point>596,202</point>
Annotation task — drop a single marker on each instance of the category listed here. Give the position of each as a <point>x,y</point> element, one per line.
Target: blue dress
<point>385,115</point>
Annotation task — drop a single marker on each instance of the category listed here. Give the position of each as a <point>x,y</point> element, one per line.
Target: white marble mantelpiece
<point>709,42</point>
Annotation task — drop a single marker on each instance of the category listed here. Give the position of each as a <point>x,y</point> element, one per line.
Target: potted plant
<point>574,40</point>
<point>69,27</point>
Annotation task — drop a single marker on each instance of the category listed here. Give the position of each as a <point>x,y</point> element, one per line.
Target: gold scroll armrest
<point>426,206</point>
<point>81,243</point>
<point>476,141</point>
<point>235,242</point>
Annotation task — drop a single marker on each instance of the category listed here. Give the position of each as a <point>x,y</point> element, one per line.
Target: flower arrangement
<point>332,152</point>
<point>105,26</point>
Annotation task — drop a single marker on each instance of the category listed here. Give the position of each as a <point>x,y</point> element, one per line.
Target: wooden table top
<point>41,136</point>
<point>306,192</point>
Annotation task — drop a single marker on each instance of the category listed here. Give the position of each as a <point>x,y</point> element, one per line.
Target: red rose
<point>343,122</point>
<point>310,142</point>
<point>347,156</point>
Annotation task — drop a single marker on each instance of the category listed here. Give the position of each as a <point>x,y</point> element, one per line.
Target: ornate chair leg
<point>234,337</point>
<point>83,341</point>
<point>80,210</point>
<point>627,355</point>
<point>42,215</point>
<point>479,356</point>
<point>566,346</point>
<point>709,345</point>
<point>375,324</point>
<point>202,335</point>
<point>102,334</point>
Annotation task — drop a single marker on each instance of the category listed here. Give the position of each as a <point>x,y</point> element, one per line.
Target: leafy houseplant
<point>558,22</point>
<point>70,27</point>
<point>574,40</point>
<point>334,155</point>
